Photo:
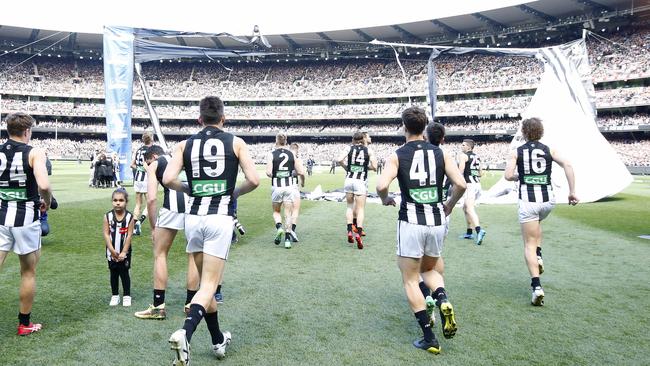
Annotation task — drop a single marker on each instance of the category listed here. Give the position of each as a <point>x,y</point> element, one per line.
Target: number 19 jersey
<point>211,167</point>
<point>19,198</point>
<point>421,176</point>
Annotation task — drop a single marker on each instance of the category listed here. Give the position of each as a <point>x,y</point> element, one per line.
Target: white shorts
<point>473,190</point>
<point>210,234</point>
<point>170,220</point>
<point>21,239</point>
<point>534,211</point>
<point>415,241</point>
<point>282,194</point>
<point>355,186</point>
<point>140,187</point>
<point>296,194</point>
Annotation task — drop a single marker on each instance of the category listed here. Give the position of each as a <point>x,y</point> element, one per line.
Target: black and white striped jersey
<point>421,177</point>
<point>284,164</point>
<point>534,162</point>
<point>472,171</point>
<point>211,167</point>
<point>358,160</point>
<point>172,200</point>
<point>140,171</point>
<point>19,198</point>
<point>119,229</point>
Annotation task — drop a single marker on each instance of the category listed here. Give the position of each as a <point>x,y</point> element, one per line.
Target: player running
<point>140,181</point>
<point>357,160</point>
<point>420,168</point>
<point>531,165</point>
<point>470,165</point>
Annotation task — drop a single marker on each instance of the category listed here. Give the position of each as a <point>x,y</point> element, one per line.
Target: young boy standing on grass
<point>118,231</point>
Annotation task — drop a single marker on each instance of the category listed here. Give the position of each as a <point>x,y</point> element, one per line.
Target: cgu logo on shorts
<point>13,194</point>
<point>206,188</point>
<point>424,195</point>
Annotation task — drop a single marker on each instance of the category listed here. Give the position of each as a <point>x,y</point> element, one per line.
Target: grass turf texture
<point>325,302</point>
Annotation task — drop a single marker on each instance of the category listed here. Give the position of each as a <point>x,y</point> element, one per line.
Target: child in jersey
<point>118,231</point>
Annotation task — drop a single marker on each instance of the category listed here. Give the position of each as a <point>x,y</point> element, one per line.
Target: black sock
<point>212,321</point>
<point>197,312</point>
<point>354,222</point>
<point>115,284</point>
<point>287,236</point>
<point>440,295</point>
<point>158,297</point>
<point>478,229</point>
<point>293,227</point>
<point>359,229</point>
<point>24,318</point>
<point>469,231</point>
<point>218,289</point>
<point>534,282</point>
<point>278,225</point>
<point>189,296</point>
<point>539,252</point>
<point>425,290</point>
<point>349,227</point>
<point>425,324</point>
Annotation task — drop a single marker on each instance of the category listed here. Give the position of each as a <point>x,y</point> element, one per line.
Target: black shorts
<point>125,264</point>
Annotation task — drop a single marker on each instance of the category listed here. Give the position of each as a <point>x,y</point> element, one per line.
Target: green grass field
<point>325,302</point>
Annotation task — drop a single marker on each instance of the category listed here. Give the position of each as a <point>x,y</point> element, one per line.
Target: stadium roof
<point>515,14</point>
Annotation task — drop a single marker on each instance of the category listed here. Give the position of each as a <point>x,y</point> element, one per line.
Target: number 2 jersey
<point>534,162</point>
<point>284,165</point>
<point>358,160</point>
<point>211,167</point>
<point>19,198</point>
<point>421,176</point>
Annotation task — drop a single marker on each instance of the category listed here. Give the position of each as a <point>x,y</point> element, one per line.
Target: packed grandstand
<point>320,102</point>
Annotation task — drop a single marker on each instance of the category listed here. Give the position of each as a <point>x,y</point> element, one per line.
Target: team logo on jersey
<point>424,195</point>
<point>356,168</point>
<point>536,179</point>
<point>206,188</point>
<point>124,230</point>
<point>475,173</point>
<point>13,194</point>
<point>282,174</point>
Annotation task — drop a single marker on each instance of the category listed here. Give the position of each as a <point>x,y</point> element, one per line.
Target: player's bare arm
<point>37,162</point>
<point>152,192</point>
<point>387,176</point>
<point>373,160</point>
<point>343,160</point>
<point>251,178</point>
<point>174,167</point>
<point>511,168</point>
<point>570,176</point>
<point>269,165</point>
<point>107,239</point>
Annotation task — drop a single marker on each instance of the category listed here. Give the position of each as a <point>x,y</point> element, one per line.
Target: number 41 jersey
<point>19,198</point>
<point>211,167</point>
<point>421,176</point>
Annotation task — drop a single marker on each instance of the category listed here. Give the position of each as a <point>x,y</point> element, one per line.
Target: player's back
<point>19,198</point>
<point>421,176</point>
<point>534,165</point>
<point>358,161</point>
<point>284,163</point>
<point>211,167</point>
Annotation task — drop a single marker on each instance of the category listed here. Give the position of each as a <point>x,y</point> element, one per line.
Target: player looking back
<point>470,165</point>
<point>420,168</point>
<point>531,165</point>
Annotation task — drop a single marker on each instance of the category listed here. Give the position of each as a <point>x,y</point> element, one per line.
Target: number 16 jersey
<point>211,167</point>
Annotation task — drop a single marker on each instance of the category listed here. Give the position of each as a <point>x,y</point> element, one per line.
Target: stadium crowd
<point>624,56</point>
<point>460,107</point>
